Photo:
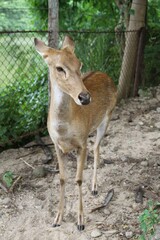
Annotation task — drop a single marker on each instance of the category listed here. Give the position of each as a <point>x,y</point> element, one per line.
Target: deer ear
<point>41,47</point>
<point>68,42</point>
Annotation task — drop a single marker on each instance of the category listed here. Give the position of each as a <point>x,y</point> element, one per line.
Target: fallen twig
<point>106,201</point>
<point>14,183</point>
<point>3,187</point>
<point>29,165</point>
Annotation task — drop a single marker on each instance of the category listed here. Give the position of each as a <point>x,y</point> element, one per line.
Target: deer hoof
<point>56,225</point>
<point>80,227</point>
<point>94,192</point>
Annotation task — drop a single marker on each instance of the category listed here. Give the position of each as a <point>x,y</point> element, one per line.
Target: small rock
<point>157,187</point>
<point>39,172</point>
<point>158,109</point>
<point>157,125</point>
<point>6,201</point>
<point>106,212</point>
<point>124,158</point>
<point>96,233</point>
<point>135,206</point>
<point>144,163</point>
<point>129,234</point>
<point>20,207</point>
<point>138,128</point>
<point>141,123</point>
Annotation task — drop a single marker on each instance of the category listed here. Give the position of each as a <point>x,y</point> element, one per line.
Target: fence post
<point>53,28</point>
<point>53,22</point>
<point>136,22</point>
<point>139,62</point>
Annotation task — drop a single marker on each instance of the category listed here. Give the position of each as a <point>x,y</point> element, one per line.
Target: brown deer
<point>79,105</point>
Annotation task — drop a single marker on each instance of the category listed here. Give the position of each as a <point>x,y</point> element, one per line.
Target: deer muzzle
<point>84,98</point>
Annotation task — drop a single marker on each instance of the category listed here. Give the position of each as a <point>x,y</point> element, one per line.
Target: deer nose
<point>84,98</point>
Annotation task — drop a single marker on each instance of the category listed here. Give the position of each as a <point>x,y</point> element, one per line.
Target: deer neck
<point>59,103</point>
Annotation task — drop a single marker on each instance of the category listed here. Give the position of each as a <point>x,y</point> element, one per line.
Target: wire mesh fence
<point>23,85</point>
<point>18,58</point>
<point>24,75</point>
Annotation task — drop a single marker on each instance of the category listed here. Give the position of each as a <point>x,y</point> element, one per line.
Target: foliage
<point>24,92</point>
<point>148,220</point>
<point>96,53</point>
<point>152,48</point>
<point>76,15</point>
<point>28,89</point>
<point>153,18</point>
<point>39,10</point>
<point>14,15</point>
<point>151,57</point>
<point>26,111</point>
<point>8,178</point>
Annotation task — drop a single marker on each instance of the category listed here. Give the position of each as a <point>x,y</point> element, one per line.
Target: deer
<point>79,105</point>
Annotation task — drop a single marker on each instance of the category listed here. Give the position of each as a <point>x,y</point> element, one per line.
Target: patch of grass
<point>149,218</point>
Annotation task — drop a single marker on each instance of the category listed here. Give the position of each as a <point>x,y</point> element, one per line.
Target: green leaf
<point>8,178</point>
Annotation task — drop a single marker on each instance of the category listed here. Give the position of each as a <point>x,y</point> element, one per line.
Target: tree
<point>136,22</point>
<point>53,22</point>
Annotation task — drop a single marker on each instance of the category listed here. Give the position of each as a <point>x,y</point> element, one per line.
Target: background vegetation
<point>15,15</point>
<point>23,78</point>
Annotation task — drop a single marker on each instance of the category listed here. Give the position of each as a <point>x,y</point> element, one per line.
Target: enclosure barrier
<point>24,76</point>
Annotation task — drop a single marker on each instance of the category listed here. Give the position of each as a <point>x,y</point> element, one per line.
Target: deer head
<point>65,69</point>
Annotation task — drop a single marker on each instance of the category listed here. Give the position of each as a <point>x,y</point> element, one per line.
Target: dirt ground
<point>130,154</point>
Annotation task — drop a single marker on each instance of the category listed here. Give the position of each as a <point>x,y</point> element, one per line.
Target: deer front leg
<point>79,177</point>
<point>59,216</point>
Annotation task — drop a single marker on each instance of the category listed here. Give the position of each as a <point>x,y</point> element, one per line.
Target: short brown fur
<point>79,105</point>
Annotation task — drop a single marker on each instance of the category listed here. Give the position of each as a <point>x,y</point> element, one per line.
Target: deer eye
<point>60,69</point>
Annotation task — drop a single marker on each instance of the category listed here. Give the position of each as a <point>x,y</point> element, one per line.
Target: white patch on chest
<point>58,95</point>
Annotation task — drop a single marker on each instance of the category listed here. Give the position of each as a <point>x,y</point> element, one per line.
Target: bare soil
<point>130,154</point>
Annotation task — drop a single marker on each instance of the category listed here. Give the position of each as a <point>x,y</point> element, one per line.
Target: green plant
<point>23,107</point>
<point>8,178</point>
<point>148,220</point>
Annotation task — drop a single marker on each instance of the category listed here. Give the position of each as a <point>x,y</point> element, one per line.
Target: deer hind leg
<point>82,152</point>
<point>59,216</point>
<point>101,130</point>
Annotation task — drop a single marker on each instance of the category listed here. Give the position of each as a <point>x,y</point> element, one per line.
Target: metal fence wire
<point>24,76</point>
<point>24,80</point>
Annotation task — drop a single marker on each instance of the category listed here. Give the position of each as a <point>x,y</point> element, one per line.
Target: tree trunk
<point>53,28</point>
<point>53,23</point>
<point>136,22</point>
<point>139,62</point>
<point>124,7</point>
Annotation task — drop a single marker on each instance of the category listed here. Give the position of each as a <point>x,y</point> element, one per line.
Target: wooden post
<point>139,62</point>
<point>136,22</point>
<point>53,28</point>
<point>53,23</point>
